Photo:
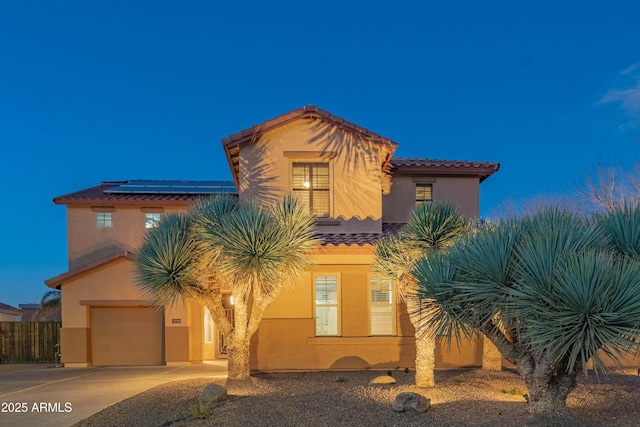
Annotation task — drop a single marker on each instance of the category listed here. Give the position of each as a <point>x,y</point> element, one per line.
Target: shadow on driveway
<point>41,395</point>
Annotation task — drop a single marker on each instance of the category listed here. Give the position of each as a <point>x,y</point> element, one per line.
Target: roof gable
<point>232,143</point>
<point>54,282</point>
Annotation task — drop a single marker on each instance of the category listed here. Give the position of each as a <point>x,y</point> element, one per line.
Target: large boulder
<point>382,379</point>
<point>213,393</point>
<point>411,402</point>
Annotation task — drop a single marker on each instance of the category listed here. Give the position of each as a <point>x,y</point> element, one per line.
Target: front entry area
<point>126,336</point>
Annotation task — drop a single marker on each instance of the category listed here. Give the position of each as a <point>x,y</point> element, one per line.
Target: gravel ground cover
<point>344,398</point>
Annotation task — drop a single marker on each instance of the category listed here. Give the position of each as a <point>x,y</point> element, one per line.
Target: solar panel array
<point>174,187</point>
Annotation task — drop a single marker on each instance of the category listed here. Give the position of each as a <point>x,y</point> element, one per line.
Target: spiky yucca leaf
<point>431,227</point>
<point>548,283</point>
<point>251,244</point>
<point>259,248</point>
<point>298,222</point>
<point>434,226</point>
<point>168,261</point>
<point>621,227</point>
<point>393,262</point>
<point>207,212</point>
<point>550,237</point>
<point>440,312</point>
<point>593,305</point>
<point>485,271</point>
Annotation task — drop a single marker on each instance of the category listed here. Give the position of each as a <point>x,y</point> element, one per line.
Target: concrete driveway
<point>42,395</point>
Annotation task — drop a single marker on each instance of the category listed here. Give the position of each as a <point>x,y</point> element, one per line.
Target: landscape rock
<point>382,379</point>
<point>411,402</point>
<point>213,393</point>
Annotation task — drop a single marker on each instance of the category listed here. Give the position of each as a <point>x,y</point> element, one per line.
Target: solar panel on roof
<point>174,187</point>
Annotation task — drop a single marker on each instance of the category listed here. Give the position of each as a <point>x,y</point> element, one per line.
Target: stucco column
<point>491,356</point>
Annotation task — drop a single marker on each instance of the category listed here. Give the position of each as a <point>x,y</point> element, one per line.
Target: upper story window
<point>311,184</point>
<point>327,306</point>
<point>424,193</point>
<point>151,220</point>
<point>103,220</point>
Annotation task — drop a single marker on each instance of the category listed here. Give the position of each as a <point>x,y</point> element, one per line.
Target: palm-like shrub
<point>50,307</point>
<point>551,291</point>
<point>431,228</point>
<point>225,245</point>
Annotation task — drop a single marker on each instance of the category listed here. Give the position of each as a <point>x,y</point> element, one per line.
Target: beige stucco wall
<point>354,166</point>
<point>464,192</point>
<point>88,243</point>
<point>111,282</point>
<point>113,285</point>
<point>286,338</point>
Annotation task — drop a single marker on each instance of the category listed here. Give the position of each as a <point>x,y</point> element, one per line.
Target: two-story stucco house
<point>340,317</point>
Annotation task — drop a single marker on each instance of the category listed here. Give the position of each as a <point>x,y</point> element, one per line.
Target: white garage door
<point>126,336</point>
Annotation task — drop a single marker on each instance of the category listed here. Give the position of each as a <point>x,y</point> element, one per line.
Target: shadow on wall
<point>357,152</point>
<point>260,174</point>
<point>357,166</point>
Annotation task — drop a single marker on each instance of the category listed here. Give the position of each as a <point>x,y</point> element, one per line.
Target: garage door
<point>126,336</point>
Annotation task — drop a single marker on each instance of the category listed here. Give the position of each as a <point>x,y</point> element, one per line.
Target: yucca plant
<point>431,228</point>
<point>223,244</point>
<point>551,291</point>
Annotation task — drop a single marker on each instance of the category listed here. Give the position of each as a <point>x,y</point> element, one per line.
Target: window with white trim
<point>151,220</point>
<point>103,220</point>
<point>381,308</point>
<point>327,306</point>
<point>310,182</point>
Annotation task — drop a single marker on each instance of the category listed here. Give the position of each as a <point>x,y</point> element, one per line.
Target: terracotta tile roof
<point>104,194</point>
<point>359,239</point>
<point>447,167</point>
<point>7,309</point>
<point>60,279</point>
<point>334,239</point>
<point>231,143</point>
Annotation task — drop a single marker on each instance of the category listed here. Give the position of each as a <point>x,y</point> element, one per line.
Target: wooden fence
<point>27,342</point>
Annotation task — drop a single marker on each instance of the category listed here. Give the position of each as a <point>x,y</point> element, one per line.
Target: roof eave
<point>482,172</point>
<point>125,202</point>
<point>56,281</point>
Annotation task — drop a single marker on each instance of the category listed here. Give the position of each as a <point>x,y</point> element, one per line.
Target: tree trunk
<point>238,352</point>
<point>548,388</point>
<point>425,346</point>
<point>238,345</point>
<point>548,383</point>
<point>425,360</point>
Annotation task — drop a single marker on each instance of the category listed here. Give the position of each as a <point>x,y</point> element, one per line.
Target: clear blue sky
<point>93,91</point>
